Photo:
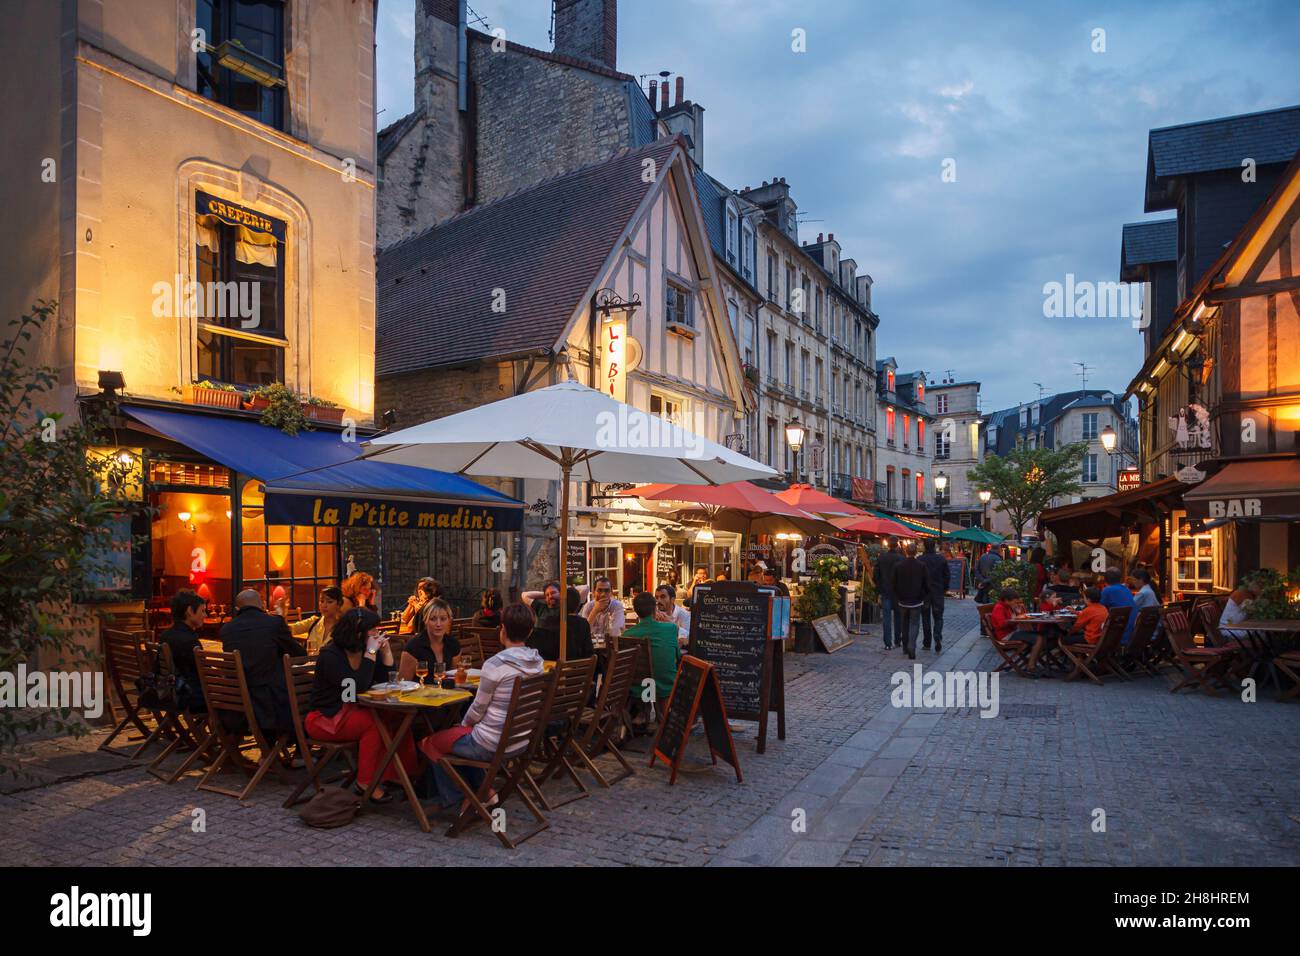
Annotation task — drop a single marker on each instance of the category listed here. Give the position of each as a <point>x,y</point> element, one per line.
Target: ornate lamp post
<point>985,497</point>
<point>795,434</point>
<point>940,487</point>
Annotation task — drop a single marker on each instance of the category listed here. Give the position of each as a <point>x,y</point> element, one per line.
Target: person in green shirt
<point>662,636</point>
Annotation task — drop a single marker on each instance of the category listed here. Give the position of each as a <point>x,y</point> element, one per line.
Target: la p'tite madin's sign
<point>323,511</point>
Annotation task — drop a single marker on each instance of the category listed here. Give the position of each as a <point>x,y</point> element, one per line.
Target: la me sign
<point>1234,507</point>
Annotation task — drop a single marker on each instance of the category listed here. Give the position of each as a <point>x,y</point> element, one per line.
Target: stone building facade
<point>492,116</point>
<point>954,409</point>
<point>904,424</point>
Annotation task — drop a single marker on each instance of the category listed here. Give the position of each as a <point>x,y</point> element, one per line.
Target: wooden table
<point>1274,627</point>
<point>408,708</point>
<point>1060,620</point>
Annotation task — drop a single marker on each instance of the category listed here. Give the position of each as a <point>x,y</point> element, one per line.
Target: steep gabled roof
<point>542,247</point>
<point>392,134</point>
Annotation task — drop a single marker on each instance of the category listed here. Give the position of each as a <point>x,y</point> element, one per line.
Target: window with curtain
<point>239,267</point>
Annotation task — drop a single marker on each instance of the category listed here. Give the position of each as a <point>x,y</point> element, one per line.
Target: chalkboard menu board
<point>832,633</point>
<point>731,629</point>
<point>363,546</point>
<point>957,575</point>
<point>575,562</point>
<point>696,692</point>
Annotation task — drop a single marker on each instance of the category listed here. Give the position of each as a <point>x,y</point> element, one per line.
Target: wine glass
<point>439,672</point>
<point>422,670</point>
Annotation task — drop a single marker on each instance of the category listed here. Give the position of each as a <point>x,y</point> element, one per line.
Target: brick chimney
<point>588,30</point>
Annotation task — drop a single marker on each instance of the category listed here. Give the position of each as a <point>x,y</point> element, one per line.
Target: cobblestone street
<point>1183,779</point>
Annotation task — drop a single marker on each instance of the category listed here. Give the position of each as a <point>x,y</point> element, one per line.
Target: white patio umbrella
<point>561,432</point>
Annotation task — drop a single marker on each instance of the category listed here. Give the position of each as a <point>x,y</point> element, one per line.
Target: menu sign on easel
<point>696,692</point>
<point>731,628</point>
<point>575,562</point>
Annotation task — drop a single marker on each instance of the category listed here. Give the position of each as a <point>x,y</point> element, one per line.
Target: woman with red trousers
<point>357,657</point>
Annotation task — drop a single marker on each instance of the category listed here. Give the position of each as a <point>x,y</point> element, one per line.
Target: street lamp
<point>794,437</point>
<point>1108,437</point>
<point>940,486</point>
<point>985,497</point>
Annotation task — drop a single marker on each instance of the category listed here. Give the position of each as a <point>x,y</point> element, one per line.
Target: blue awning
<point>316,478</point>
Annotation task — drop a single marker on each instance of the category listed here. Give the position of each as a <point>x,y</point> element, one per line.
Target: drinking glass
<point>422,670</point>
<point>439,672</point>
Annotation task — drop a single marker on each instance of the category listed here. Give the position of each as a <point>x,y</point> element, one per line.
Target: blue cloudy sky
<point>1048,139</point>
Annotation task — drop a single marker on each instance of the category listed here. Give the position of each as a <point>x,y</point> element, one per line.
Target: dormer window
<point>733,236</point>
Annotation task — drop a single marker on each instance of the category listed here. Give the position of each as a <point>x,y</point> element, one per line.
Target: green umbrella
<point>978,535</point>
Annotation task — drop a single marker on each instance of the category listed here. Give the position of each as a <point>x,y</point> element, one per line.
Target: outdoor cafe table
<point>427,702</point>
<point>1263,641</point>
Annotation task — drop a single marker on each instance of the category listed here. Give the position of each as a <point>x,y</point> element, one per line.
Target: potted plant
<point>819,598</point>
<point>1274,602</point>
<point>217,394</point>
<point>322,409</point>
<point>280,408</point>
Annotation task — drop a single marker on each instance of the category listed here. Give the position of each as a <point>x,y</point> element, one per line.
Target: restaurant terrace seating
<point>1200,666</point>
<point>169,718</point>
<point>573,682</point>
<point>1288,664</point>
<point>317,755</point>
<point>1137,656</point>
<point>1093,660</point>
<point>1014,651</point>
<point>123,664</point>
<point>599,723</point>
<point>530,703</point>
<point>226,691</point>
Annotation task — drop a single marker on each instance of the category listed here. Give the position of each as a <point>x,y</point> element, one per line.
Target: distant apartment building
<point>904,424</point>
<point>954,409</point>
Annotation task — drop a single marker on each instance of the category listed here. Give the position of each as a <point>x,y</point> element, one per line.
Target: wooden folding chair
<point>1093,660</point>
<point>530,704</point>
<point>471,648</point>
<point>173,723</point>
<point>1288,664</point>
<point>643,671</point>
<point>1013,650</point>
<point>599,723</point>
<point>488,638</point>
<point>1201,666</point>
<point>317,755</point>
<point>123,663</point>
<point>1135,657</point>
<point>573,680</point>
<point>225,689</point>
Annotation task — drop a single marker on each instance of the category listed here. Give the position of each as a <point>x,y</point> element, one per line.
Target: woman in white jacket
<point>479,733</point>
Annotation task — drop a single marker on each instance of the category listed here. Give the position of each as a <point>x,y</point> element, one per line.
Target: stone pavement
<point>1183,779</point>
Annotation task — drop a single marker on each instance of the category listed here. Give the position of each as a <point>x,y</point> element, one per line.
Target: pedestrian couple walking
<point>911,596</point>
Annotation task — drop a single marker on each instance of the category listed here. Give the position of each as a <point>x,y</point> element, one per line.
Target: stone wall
<point>538,119</point>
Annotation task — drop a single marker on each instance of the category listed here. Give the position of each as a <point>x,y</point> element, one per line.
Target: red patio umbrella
<point>740,495</point>
<point>869,524</point>
<point>818,502</point>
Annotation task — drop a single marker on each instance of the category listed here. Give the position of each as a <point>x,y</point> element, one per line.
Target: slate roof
<point>544,246</point>
<point>1271,136</point>
<point>392,134</point>
<point>1267,137</point>
<point>1144,243</point>
<point>1007,420</point>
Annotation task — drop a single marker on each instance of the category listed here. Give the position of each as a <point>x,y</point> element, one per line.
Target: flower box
<point>323,413</point>
<point>216,397</point>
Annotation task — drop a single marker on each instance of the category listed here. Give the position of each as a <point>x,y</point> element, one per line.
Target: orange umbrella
<point>818,502</point>
<point>740,495</point>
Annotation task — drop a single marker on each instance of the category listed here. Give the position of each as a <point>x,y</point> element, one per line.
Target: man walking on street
<point>911,588</point>
<point>890,617</point>
<point>984,572</point>
<point>937,582</point>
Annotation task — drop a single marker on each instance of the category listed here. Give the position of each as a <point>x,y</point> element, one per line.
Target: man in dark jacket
<point>262,641</point>
<point>936,576</point>
<point>911,588</point>
<point>891,620</point>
